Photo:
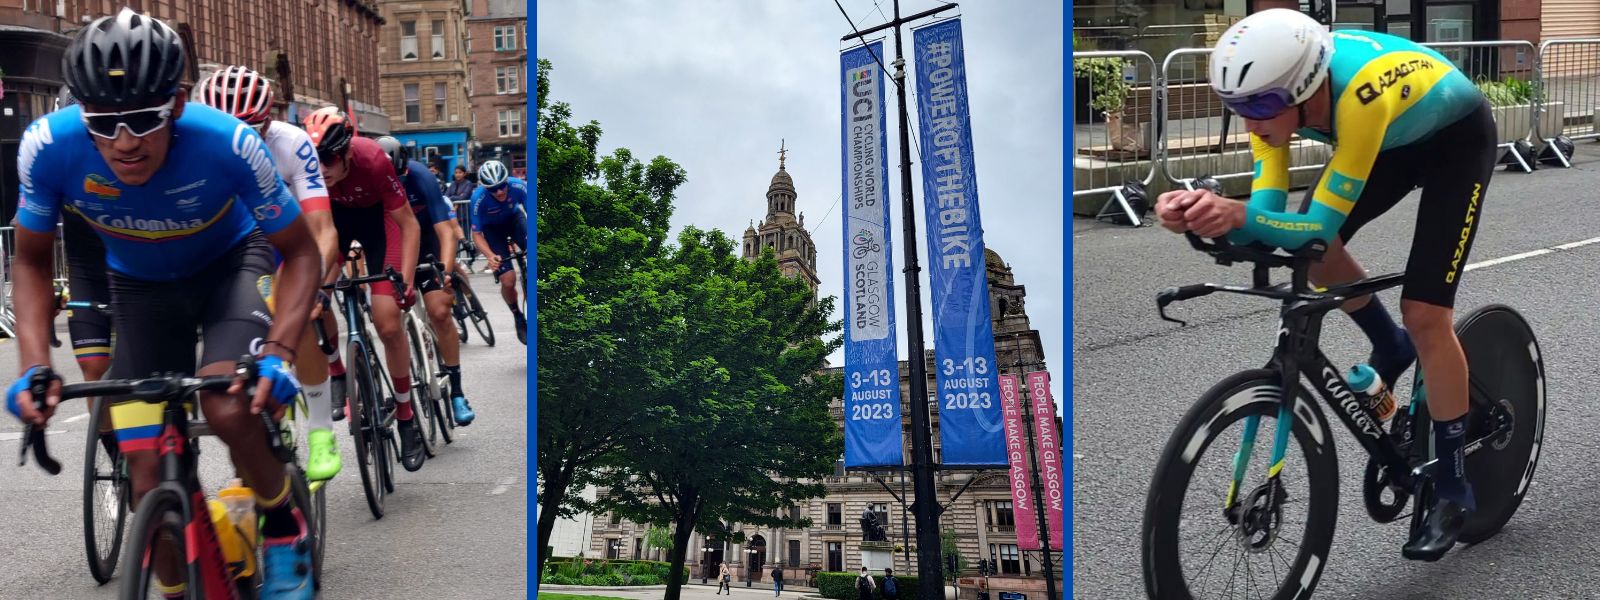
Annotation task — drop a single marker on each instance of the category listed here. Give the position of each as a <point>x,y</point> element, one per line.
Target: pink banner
<point>1017,454</point>
<point>1048,446</point>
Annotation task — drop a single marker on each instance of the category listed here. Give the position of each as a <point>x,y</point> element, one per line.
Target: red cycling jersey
<point>370,179</point>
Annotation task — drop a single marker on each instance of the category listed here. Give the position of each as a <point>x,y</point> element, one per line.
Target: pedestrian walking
<point>891,586</point>
<point>777,581</point>
<point>724,576</point>
<point>865,585</point>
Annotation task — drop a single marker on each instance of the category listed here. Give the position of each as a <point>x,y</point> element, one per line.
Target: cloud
<point>715,85</point>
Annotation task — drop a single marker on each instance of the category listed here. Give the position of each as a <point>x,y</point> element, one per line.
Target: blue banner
<point>872,432</point>
<point>971,426</point>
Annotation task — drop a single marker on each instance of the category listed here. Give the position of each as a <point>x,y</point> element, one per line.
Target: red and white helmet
<point>238,91</point>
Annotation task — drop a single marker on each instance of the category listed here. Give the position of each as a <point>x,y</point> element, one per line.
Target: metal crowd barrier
<point>1538,93</point>
<point>1115,144</point>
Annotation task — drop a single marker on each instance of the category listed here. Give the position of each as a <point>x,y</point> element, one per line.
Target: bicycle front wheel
<point>158,521</point>
<point>1263,536</point>
<point>422,387</point>
<point>365,428</point>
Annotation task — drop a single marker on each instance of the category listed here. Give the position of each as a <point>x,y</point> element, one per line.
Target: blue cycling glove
<point>16,389</point>
<point>284,385</point>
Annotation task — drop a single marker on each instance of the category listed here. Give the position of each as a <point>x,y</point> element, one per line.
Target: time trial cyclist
<point>247,96</point>
<point>497,218</point>
<point>189,205</point>
<point>369,206</point>
<point>1400,116</point>
<point>439,239</point>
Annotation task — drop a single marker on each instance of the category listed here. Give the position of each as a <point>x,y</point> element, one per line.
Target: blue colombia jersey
<point>217,184</point>
<point>488,211</point>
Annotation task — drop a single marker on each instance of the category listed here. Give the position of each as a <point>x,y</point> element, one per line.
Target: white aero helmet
<point>1270,61</point>
<point>492,174</point>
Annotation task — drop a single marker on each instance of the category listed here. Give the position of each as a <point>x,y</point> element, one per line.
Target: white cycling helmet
<point>1270,61</point>
<point>492,174</point>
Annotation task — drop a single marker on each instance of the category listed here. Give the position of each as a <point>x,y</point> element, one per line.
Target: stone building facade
<point>422,61</point>
<point>311,50</point>
<point>497,61</point>
<point>981,517</point>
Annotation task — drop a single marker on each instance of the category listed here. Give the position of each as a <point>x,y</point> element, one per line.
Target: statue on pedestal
<point>871,530</point>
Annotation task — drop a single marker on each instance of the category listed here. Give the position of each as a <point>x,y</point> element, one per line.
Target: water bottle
<point>1365,381</point>
<point>236,526</point>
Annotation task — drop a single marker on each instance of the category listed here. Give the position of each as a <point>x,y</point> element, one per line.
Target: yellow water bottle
<point>238,505</point>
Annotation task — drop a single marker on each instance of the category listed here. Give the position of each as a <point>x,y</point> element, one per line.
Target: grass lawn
<point>544,596</point>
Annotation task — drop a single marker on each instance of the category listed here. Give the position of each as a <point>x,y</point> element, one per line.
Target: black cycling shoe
<point>1442,524</point>
<point>411,454</point>
<point>336,391</point>
<point>522,328</point>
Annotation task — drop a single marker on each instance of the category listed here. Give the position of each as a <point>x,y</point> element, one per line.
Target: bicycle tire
<point>1231,400</point>
<point>388,440</point>
<point>364,428</point>
<point>160,509</point>
<point>458,311</point>
<point>102,561</point>
<point>422,387</point>
<point>316,519</point>
<point>1501,475</point>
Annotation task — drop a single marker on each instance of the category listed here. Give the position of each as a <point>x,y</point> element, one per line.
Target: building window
<point>835,513</point>
<point>835,557</point>
<point>638,547</point>
<point>505,38</point>
<point>408,40</point>
<point>413,109</point>
<point>438,102</point>
<point>1010,559</point>
<point>1001,515</point>
<point>612,547</point>
<point>616,518</point>
<point>438,39</point>
<point>880,511</point>
<point>506,80</point>
<point>510,123</point>
<point>794,553</point>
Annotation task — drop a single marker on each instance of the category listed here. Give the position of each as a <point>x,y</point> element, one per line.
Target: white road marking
<point>77,418</point>
<point>501,489</point>
<point>7,436</point>
<point>1530,254</point>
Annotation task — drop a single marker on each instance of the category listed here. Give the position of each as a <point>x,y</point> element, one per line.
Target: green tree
<point>949,550</point>
<point>602,222</point>
<point>740,428</point>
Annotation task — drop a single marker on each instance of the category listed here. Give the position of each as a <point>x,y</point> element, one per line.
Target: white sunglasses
<point>139,122</point>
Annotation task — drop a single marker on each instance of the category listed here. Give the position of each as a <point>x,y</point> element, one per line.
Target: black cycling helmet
<point>126,60</point>
<point>64,98</point>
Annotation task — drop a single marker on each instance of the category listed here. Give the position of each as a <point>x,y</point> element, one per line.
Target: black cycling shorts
<point>428,244</point>
<point>379,237</point>
<point>90,330</point>
<point>1453,168</point>
<point>499,237</point>
<point>156,321</point>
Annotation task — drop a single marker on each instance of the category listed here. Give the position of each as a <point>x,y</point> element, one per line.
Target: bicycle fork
<point>1287,360</point>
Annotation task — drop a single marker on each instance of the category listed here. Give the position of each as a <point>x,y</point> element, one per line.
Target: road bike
<point>371,414</point>
<point>427,368</point>
<point>176,512</point>
<point>445,410</point>
<point>1505,432</point>
<point>107,489</point>
<point>519,259</point>
<point>466,307</point>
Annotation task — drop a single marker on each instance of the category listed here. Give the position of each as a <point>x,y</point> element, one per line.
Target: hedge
<point>842,586</point>
<point>611,573</point>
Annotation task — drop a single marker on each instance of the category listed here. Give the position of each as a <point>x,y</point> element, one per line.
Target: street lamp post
<point>749,559</point>
<point>705,566</point>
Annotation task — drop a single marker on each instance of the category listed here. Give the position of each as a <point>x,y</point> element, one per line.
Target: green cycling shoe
<point>322,460</point>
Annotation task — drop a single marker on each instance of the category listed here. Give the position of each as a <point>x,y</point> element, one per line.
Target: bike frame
<point>1298,353</point>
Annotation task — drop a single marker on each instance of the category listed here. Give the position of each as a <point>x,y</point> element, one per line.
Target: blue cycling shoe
<point>288,567</point>
<point>464,414</point>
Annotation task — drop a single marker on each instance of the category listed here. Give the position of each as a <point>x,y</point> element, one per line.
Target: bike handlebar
<point>154,390</point>
<point>346,283</point>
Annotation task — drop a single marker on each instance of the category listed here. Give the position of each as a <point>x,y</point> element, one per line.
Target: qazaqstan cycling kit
<point>1403,116</point>
<point>186,247</point>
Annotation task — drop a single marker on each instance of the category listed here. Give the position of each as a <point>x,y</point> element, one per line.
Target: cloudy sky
<point>716,84</point>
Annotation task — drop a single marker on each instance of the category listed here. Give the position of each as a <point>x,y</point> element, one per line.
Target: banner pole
<point>1036,477</point>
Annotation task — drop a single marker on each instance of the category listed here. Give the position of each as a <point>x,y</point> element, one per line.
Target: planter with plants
<point>1110,93</point>
<point>1512,101</point>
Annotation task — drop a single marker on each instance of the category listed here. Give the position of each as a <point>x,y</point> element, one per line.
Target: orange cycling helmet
<point>331,130</point>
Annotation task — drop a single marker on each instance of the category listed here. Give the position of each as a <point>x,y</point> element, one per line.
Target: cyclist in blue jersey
<point>189,205</point>
<point>1399,116</point>
<point>498,222</point>
<point>439,239</point>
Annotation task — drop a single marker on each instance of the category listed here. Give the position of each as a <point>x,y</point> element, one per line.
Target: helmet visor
<point>1260,106</point>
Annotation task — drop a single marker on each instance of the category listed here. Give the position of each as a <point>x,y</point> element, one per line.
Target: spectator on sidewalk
<point>891,586</point>
<point>865,585</point>
<point>724,576</point>
<point>777,581</point>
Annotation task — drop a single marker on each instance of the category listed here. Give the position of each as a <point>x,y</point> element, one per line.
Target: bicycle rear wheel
<point>106,495</point>
<point>1505,368</point>
<point>422,387</point>
<point>364,427</point>
<point>458,310</point>
<point>1254,532</point>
